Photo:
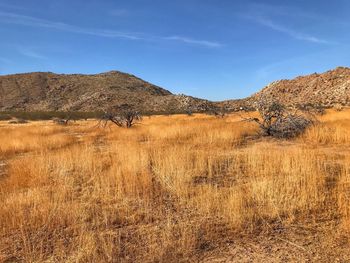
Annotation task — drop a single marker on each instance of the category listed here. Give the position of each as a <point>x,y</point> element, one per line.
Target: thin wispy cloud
<point>23,20</point>
<point>270,69</point>
<point>292,33</point>
<point>282,10</point>
<point>263,9</point>
<point>30,53</point>
<point>194,41</point>
<point>287,66</point>
<point>12,18</point>
<point>264,15</point>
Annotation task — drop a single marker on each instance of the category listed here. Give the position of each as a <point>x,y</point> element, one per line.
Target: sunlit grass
<point>163,190</point>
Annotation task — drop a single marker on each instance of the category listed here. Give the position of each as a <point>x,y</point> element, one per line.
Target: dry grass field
<point>174,189</point>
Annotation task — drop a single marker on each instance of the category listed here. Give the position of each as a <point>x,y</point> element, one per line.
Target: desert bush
<point>338,107</point>
<point>122,116</point>
<point>5,116</point>
<point>168,191</point>
<point>217,112</point>
<point>189,112</point>
<point>278,121</point>
<point>17,121</point>
<point>61,121</point>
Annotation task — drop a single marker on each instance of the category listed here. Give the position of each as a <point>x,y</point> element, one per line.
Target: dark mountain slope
<point>59,92</point>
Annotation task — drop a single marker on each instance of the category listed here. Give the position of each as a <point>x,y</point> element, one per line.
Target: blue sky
<point>213,49</point>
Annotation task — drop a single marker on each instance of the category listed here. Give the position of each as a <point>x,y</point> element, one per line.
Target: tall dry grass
<point>24,138</point>
<point>163,191</point>
<point>333,128</point>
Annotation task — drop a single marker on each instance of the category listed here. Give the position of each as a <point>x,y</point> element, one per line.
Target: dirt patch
<point>296,244</point>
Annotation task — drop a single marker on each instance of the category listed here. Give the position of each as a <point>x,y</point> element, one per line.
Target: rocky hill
<point>60,92</point>
<point>43,91</point>
<point>326,89</point>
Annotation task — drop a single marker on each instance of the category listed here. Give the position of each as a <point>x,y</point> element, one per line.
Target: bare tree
<point>279,121</point>
<point>17,121</point>
<point>189,112</point>
<point>61,121</point>
<point>220,114</point>
<point>217,112</point>
<point>130,117</point>
<point>122,116</point>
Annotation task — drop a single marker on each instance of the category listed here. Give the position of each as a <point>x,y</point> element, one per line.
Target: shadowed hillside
<point>59,92</point>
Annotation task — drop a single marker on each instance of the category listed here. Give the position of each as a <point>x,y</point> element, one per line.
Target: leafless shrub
<point>122,116</point>
<point>189,112</point>
<point>278,121</point>
<point>217,112</point>
<point>61,121</point>
<point>338,107</point>
<point>17,121</point>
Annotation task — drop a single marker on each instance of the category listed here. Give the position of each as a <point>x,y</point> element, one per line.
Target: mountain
<point>326,90</point>
<point>46,91</point>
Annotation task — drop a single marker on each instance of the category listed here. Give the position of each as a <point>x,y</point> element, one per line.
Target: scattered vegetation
<point>338,107</point>
<point>122,116</point>
<point>217,112</point>
<point>189,112</point>
<point>278,121</point>
<point>18,121</point>
<point>171,190</point>
<point>36,116</point>
<point>61,121</point>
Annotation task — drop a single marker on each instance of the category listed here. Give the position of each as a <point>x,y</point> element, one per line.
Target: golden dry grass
<point>165,190</point>
<point>25,138</point>
<point>333,128</point>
